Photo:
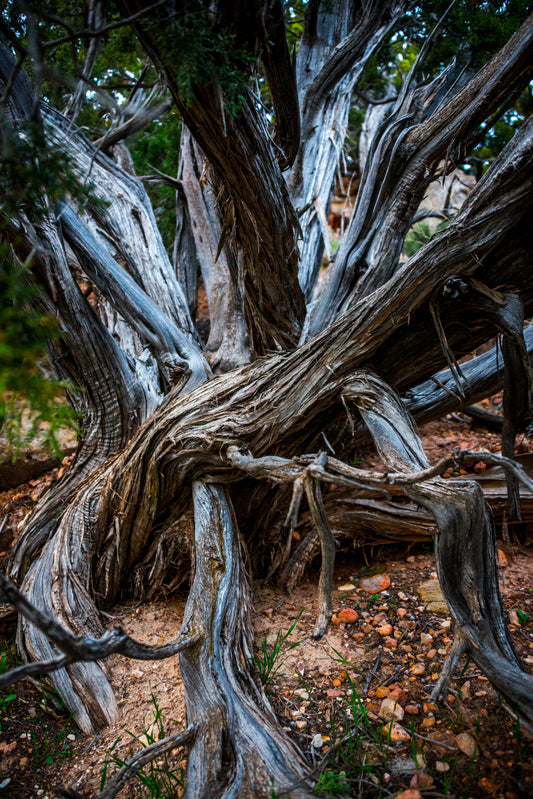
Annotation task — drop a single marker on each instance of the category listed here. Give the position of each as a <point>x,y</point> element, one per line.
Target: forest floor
<point>356,702</point>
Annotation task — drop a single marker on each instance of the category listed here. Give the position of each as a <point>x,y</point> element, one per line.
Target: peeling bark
<point>120,529</point>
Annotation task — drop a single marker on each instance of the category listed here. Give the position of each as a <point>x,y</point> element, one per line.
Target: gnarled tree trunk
<point>149,457</point>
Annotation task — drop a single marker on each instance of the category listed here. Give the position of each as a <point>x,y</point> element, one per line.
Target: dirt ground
<point>335,697</point>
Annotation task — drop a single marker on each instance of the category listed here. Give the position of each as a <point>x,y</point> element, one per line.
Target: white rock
<point>390,709</point>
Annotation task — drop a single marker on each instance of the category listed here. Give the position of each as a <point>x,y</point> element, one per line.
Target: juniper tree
<point>297,363</point>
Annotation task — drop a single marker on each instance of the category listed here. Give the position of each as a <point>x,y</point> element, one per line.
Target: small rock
<point>412,710</point>
<point>466,743</point>
<point>403,765</point>
<point>402,612</point>
<point>430,592</point>
<point>392,643</point>
<point>410,793</point>
<point>421,779</point>
<point>429,721</point>
<point>334,692</point>
<point>385,629</point>
<point>425,638</point>
<point>395,732</point>
<point>317,741</point>
<point>487,785</point>
<point>303,693</point>
<point>430,707</point>
<point>513,618</point>
<point>403,596</point>
<point>375,584</point>
<point>347,615</point>
<point>390,709</point>
<point>301,724</point>
<point>441,766</point>
<point>382,691</point>
<point>399,695</point>
<point>417,669</point>
<point>346,588</point>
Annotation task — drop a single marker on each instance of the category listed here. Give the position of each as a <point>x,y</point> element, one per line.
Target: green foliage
<point>8,660</point>
<point>32,175</point>
<point>419,235</point>
<point>468,36</point>
<point>204,53</point>
<point>273,657</point>
<point>47,746</point>
<point>32,404</point>
<point>161,778</point>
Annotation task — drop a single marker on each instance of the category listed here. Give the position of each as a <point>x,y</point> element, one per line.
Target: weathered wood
<point>242,750</point>
<point>413,140</point>
<point>328,65</point>
<point>228,346</point>
<point>256,210</point>
<point>259,421</point>
<point>464,547</point>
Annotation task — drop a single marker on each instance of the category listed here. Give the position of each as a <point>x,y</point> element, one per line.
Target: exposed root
<point>149,753</point>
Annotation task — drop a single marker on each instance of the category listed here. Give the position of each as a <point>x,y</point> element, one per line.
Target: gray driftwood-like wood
<point>380,325</point>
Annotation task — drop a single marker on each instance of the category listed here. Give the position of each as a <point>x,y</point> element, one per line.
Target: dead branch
<point>85,650</point>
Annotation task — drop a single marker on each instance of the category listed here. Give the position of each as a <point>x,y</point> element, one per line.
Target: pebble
<point>442,767</point>
<point>399,695</point>
<point>346,588</point>
<point>382,691</point>
<point>334,692</point>
<point>466,743</point>
<point>317,741</point>
<point>390,709</point>
<point>301,724</point>
<point>421,780</point>
<point>412,710</point>
<point>395,732</point>
<point>403,765</point>
<point>347,615</point>
<point>375,584</point>
<point>431,593</point>
<point>410,793</point>
<point>513,618</point>
<point>385,629</point>
<point>417,669</point>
